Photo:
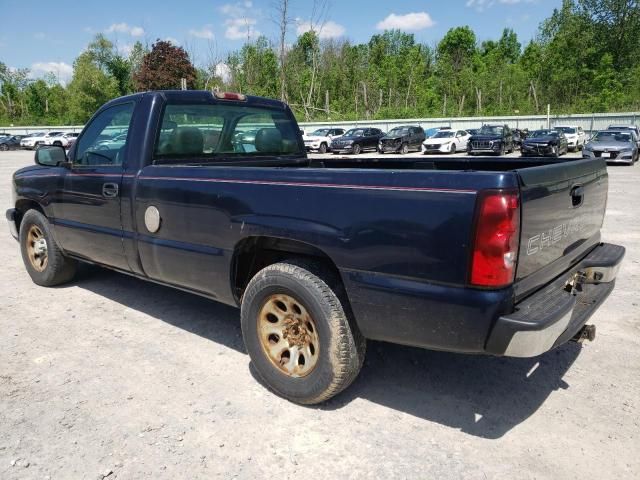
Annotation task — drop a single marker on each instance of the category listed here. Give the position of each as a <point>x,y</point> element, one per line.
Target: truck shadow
<point>200,316</point>
<point>479,395</point>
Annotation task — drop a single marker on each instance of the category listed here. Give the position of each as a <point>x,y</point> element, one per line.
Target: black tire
<point>555,152</point>
<point>59,269</point>
<point>404,149</point>
<point>341,348</point>
<point>453,149</point>
<point>502,151</point>
<point>4,147</point>
<point>357,149</point>
<point>323,148</point>
<point>57,143</point>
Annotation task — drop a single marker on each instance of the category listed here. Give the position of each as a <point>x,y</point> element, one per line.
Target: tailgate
<point>563,207</point>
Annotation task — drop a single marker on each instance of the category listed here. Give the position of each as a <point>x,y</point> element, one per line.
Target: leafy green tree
<point>90,87</point>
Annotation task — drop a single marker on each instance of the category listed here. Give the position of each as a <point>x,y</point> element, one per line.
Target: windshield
<point>321,132</point>
<point>544,133</point>
<point>354,132</point>
<point>398,131</point>
<point>612,137</point>
<point>444,134</point>
<point>491,130</point>
<point>569,130</point>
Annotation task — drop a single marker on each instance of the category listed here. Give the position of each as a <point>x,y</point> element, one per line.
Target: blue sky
<point>49,36</point>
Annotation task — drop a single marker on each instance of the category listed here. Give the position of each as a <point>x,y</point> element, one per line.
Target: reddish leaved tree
<point>164,67</point>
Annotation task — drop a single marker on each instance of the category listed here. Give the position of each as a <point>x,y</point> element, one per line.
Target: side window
<point>103,142</point>
<point>214,130</point>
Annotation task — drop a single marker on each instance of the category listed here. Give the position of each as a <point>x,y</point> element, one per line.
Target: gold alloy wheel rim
<point>37,248</point>
<point>288,336</point>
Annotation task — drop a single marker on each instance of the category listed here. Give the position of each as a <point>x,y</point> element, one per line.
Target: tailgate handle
<point>577,195</point>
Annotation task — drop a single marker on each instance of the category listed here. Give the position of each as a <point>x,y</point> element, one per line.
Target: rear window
<point>219,131</point>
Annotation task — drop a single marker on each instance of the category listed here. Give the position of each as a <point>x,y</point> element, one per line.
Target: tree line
<point>585,58</point>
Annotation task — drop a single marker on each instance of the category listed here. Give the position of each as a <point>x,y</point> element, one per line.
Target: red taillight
<point>495,250</point>
<point>230,96</point>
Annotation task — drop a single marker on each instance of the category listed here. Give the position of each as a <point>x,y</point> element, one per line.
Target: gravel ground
<point>115,377</point>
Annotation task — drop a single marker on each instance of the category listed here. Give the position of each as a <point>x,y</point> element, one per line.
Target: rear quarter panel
<point>406,224</point>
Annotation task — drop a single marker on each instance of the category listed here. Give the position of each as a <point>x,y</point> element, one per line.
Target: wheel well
<point>23,206</point>
<point>255,253</point>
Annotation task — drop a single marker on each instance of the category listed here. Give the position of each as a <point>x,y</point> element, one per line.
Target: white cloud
<point>239,24</point>
<point>409,22</point>
<point>125,49</point>
<point>61,70</point>
<point>174,41</point>
<point>330,29</point>
<point>236,9</point>
<point>482,5</point>
<point>240,28</point>
<point>125,28</point>
<point>223,71</point>
<point>204,32</point>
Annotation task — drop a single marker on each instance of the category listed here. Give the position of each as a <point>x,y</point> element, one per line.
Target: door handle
<point>110,190</point>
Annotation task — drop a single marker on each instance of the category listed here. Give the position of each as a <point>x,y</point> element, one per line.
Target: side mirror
<point>50,156</point>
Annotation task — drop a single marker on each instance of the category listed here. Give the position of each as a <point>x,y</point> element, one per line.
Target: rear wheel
<point>297,329</point>
<point>4,147</point>
<point>404,149</point>
<point>42,257</point>
<point>357,149</point>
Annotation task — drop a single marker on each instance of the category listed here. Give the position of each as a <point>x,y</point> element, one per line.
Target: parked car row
<point>36,139</point>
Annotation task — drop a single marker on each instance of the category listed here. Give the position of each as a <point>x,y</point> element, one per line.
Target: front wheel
<point>297,331</point>
<point>357,149</point>
<point>4,147</point>
<point>323,148</point>
<point>404,149</point>
<point>453,148</point>
<point>42,257</point>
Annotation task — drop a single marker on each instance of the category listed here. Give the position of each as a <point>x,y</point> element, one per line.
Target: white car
<point>63,139</point>
<point>320,140</point>
<point>36,139</point>
<point>447,141</point>
<point>576,138</point>
<point>29,141</point>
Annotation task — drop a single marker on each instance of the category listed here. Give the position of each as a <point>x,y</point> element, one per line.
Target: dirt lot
<point>112,376</point>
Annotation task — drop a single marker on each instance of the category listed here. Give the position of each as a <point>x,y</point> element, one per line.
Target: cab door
<point>89,222</point>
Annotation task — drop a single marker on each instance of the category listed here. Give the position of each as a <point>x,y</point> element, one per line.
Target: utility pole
<point>548,115</point>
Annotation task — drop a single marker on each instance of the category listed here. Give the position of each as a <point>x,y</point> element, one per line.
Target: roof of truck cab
<point>204,96</point>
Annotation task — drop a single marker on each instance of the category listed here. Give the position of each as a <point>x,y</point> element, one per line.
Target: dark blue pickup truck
<point>213,193</point>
